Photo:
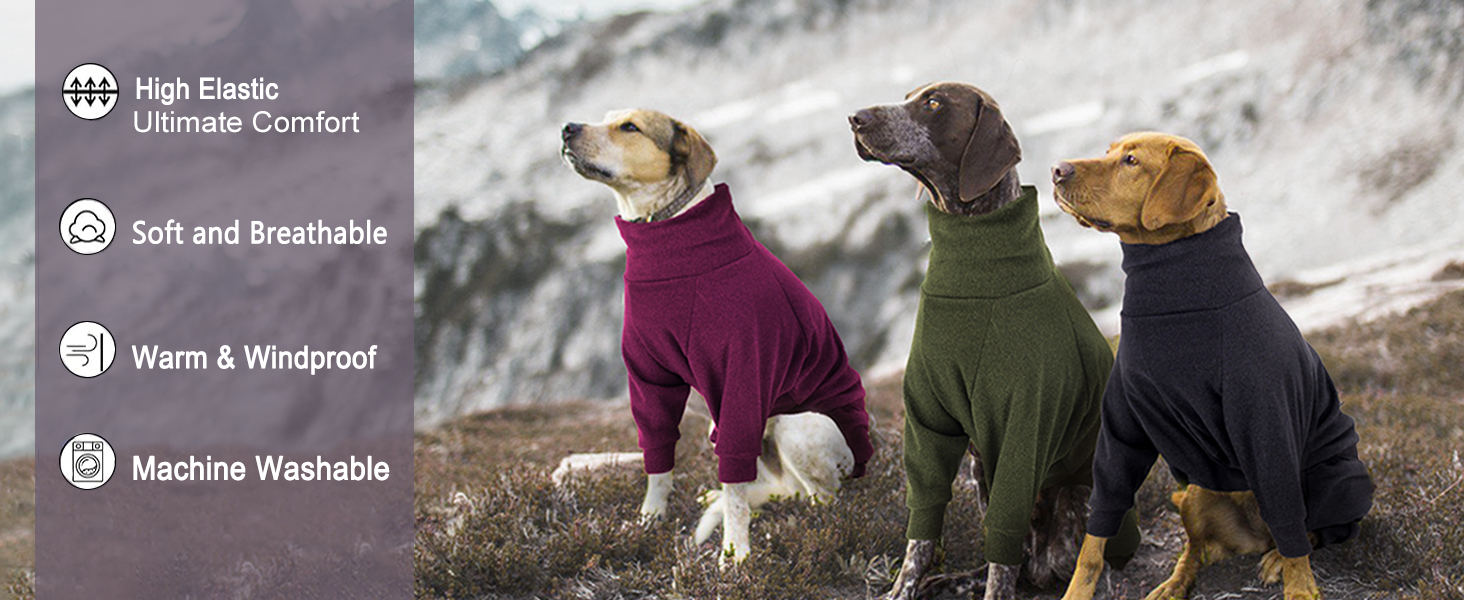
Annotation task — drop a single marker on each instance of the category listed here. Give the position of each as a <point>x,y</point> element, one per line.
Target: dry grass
<point>1421,351</point>
<point>490,525</point>
<point>506,532</point>
<point>17,527</point>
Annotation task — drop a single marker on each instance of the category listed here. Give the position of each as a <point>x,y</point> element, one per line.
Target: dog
<point>1005,359</point>
<point>1212,374</point>
<point>708,307</point>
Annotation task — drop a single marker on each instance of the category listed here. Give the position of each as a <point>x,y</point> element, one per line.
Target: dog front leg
<point>919,556</point>
<point>658,491</point>
<point>1090,567</point>
<point>1001,581</point>
<point>736,520</point>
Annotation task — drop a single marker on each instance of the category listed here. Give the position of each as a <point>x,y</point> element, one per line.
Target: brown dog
<point>1212,374</point>
<point>995,313</point>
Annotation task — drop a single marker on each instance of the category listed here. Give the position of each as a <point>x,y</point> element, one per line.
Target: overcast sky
<point>17,44</point>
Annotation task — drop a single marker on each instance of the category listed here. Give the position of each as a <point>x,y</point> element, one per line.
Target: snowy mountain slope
<point>459,38</point>
<point>17,273</point>
<point>1331,125</point>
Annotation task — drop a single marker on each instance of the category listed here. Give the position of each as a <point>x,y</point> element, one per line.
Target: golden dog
<point>1155,189</point>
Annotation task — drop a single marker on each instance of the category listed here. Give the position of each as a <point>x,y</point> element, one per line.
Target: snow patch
<point>1214,67</point>
<point>1072,117</point>
<point>1373,288</point>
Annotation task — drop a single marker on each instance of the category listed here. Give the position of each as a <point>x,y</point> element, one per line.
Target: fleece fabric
<point>1004,360</point>
<point>708,307</point>
<point>1213,374</point>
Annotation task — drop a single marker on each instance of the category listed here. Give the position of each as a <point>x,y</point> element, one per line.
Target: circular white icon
<point>87,349</point>
<point>87,461</point>
<point>90,91</point>
<point>87,226</point>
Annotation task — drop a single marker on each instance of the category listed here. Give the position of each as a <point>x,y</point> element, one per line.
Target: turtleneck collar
<point>987,256</point>
<point>706,237</point>
<point>1201,272</point>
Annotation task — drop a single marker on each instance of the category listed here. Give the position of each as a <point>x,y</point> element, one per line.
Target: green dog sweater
<point>1005,360</point>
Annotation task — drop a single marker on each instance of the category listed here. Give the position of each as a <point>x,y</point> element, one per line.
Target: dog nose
<point>861,118</point>
<point>571,130</point>
<point>1062,172</point>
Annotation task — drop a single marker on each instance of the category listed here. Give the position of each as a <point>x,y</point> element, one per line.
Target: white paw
<point>652,509</point>
<point>733,554</point>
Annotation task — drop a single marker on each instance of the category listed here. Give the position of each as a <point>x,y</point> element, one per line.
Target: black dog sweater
<point>1212,374</point>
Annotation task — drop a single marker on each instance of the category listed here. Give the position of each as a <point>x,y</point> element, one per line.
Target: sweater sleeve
<point>1015,481</point>
<point>934,446</point>
<point>657,401</point>
<point>743,400</point>
<point>1263,435</point>
<point>1121,461</point>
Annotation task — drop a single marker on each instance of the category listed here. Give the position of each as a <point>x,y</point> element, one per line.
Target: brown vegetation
<point>490,524</point>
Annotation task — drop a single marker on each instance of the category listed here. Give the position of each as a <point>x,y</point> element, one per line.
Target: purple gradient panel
<point>250,538</point>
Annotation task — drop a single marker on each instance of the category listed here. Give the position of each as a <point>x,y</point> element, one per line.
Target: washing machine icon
<point>87,461</point>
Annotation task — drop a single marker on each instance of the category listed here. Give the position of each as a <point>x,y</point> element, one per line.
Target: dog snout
<point>1063,171</point>
<point>571,130</point>
<point>861,118</point>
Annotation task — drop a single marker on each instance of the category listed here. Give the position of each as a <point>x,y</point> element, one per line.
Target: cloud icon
<point>87,227</point>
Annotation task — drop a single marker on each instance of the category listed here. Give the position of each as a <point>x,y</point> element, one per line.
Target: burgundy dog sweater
<point>708,307</point>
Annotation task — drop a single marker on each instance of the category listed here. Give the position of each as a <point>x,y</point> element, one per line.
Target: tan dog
<point>1114,193</point>
<point>659,168</point>
<point>1155,189</point>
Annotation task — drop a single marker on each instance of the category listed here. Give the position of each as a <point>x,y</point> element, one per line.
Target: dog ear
<point>990,153</point>
<point>691,153</point>
<point>1184,188</point>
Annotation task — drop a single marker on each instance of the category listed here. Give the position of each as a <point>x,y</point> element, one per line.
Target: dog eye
<point>629,127</point>
<point>932,103</point>
<point>1131,160</point>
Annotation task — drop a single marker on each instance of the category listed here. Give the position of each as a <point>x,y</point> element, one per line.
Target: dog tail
<point>710,520</point>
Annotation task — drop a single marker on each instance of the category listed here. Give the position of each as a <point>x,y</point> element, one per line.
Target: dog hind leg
<point>812,454</point>
<point>1187,566</point>
<point>1059,518</point>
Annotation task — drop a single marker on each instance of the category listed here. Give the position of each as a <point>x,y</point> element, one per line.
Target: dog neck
<point>659,201</point>
<point>946,196</point>
<point>1206,221</point>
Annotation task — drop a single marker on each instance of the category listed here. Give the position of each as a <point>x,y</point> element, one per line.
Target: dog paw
<point>732,555</point>
<point>1298,583</point>
<point>1271,564</point>
<point>900,592</point>
<point>709,497</point>
<point>1313,594</point>
<point>651,512</point>
<point>1172,589</point>
<point>1078,593</point>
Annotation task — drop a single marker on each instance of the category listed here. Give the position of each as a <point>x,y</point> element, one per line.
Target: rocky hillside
<point>1333,129</point>
<point>461,38</point>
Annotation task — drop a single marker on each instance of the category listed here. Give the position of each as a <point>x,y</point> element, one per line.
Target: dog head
<point>648,158</point>
<point>950,136</point>
<point>1150,188</point>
